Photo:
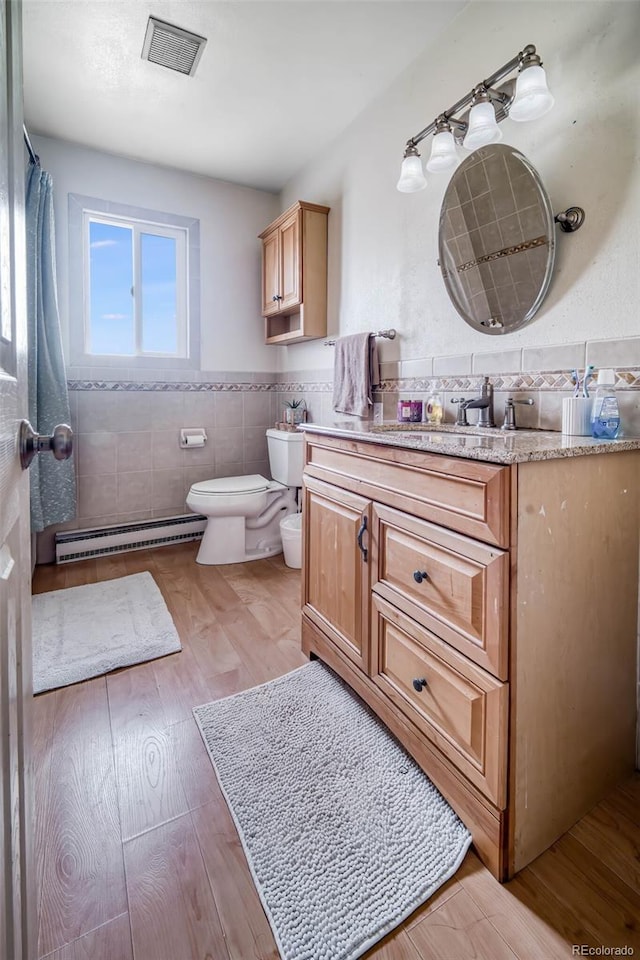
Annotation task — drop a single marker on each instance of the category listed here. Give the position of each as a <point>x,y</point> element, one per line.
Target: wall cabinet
<point>294,274</point>
<point>457,598</point>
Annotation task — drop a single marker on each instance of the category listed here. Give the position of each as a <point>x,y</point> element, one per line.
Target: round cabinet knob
<point>420,575</point>
<point>419,684</point>
<point>274,298</point>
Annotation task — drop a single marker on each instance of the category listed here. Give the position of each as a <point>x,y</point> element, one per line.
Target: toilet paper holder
<point>192,437</point>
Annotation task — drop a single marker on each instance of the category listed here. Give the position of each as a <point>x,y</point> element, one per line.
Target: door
<point>290,281</point>
<point>336,579</point>
<point>17,879</point>
<point>270,274</point>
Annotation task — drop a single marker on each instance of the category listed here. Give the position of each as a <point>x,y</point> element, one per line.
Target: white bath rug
<point>86,631</point>
<point>344,834</point>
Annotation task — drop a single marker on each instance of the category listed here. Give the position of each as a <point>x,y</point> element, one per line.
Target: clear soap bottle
<point>605,413</point>
<point>433,408</point>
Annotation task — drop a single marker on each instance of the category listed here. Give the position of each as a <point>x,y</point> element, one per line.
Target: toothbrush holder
<point>576,416</point>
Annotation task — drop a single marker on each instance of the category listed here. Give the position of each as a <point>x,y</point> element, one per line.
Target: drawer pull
<point>361,533</point>
<point>420,575</point>
<point>419,684</point>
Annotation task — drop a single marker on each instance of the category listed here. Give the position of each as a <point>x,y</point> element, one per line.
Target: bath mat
<point>344,834</point>
<point>86,631</point>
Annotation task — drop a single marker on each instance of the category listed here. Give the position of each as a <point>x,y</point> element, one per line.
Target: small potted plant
<point>294,411</point>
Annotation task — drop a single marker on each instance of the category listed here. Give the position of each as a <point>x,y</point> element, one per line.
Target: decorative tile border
<point>553,380</point>
<point>166,386</point>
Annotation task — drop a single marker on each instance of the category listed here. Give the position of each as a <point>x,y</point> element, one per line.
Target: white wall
<point>231,217</point>
<point>383,244</point>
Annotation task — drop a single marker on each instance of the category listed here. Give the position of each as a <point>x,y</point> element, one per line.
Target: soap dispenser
<point>605,413</point>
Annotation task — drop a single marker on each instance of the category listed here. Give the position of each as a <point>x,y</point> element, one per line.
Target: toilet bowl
<point>244,513</point>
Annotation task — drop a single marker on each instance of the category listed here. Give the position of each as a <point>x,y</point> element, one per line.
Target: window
<point>135,289</point>
<point>137,302</point>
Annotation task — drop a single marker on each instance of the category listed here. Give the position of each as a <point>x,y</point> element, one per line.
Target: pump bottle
<point>605,413</point>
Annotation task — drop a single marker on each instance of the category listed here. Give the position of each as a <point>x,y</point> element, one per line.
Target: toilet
<point>244,513</point>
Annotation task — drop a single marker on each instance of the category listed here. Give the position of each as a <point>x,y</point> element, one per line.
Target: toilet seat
<point>231,486</point>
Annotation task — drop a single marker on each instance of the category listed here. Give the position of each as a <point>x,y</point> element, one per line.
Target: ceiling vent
<point>172,47</point>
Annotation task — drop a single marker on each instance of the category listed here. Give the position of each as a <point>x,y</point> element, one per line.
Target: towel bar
<point>387,334</point>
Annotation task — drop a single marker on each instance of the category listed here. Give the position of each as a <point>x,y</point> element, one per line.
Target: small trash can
<point>291,533</point>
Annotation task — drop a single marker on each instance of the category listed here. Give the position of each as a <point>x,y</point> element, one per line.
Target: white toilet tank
<point>285,456</point>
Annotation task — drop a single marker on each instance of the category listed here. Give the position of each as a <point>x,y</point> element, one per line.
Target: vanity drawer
<point>455,704</point>
<point>464,495</point>
<point>455,586</point>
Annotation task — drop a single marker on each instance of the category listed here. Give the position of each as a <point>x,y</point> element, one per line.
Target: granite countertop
<point>493,445</point>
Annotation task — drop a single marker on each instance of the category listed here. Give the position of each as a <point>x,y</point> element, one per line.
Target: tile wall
<point>540,373</point>
<point>130,465</point>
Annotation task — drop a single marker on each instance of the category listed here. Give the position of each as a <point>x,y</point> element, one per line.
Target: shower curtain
<point>53,482</point>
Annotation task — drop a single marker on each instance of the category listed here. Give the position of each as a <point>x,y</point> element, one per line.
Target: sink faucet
<point>485,414</point>
<point>510,412</point>
<point>477,403</point>
<point>483,403</point>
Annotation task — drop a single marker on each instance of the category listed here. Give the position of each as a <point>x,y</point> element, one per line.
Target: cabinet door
<point>270,274</point>
<point>335,581</point>
<point>290,266</point>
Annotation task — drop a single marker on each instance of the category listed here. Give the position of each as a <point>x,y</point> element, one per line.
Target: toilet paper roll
<point>195,437</point>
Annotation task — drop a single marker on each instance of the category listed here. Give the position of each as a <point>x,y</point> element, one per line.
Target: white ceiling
<point>277,80</point>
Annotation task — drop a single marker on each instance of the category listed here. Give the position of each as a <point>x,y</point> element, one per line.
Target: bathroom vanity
<point>480,593</point>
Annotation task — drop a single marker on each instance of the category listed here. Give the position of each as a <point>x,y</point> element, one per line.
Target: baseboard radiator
<point>120,538</point>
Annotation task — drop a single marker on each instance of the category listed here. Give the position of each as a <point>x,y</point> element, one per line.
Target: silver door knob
<point>60,443</point>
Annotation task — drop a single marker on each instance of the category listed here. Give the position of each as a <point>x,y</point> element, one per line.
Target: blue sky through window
<point>158,272</point>
<point>113,294</point>
<point>111,279</point>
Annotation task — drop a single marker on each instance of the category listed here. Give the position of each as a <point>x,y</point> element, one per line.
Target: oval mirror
<point>496,240</point>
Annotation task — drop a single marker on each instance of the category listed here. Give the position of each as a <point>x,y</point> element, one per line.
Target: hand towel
<point>356,373</point>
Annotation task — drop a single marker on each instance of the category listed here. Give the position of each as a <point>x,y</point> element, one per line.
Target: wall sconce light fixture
<point>526,97</point>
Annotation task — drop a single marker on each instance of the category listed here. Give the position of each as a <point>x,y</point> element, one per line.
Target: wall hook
<point>570,219</point>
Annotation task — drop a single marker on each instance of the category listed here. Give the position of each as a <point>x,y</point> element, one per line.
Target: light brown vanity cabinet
<point>487,614</point>
<point>294,274</point>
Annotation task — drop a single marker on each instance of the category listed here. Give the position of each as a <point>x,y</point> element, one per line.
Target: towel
<point>356,374</point>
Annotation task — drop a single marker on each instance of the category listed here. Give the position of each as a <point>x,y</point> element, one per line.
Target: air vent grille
<point>172,47</point>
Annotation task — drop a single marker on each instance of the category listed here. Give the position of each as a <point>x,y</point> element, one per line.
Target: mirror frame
<point>481,260</point>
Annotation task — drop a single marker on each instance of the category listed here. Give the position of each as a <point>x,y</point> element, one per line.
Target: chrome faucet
<point>485,414</point>
<point>477,403</point>
<point>510,412</point>
<point>483,403</point>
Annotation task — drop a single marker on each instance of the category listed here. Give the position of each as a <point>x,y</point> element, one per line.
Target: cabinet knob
<point>420,575</point>
<point>276,296</point>
<point>419,684</point>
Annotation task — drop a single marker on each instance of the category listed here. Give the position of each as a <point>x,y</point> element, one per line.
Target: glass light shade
<point>444,155</point>
<point>412,178</point>
<point>483,127</point>
<point>532,98</point>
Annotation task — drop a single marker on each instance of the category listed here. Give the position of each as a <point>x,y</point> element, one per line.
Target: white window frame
<point>186,230</point>
<point>138,227</point>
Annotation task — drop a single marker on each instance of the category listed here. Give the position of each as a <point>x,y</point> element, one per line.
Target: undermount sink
<point>437,432</point>
<point>432,434</point>
<point>446,432</point>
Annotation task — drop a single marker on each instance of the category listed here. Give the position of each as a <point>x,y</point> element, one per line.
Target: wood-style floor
<point>137,855</point>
